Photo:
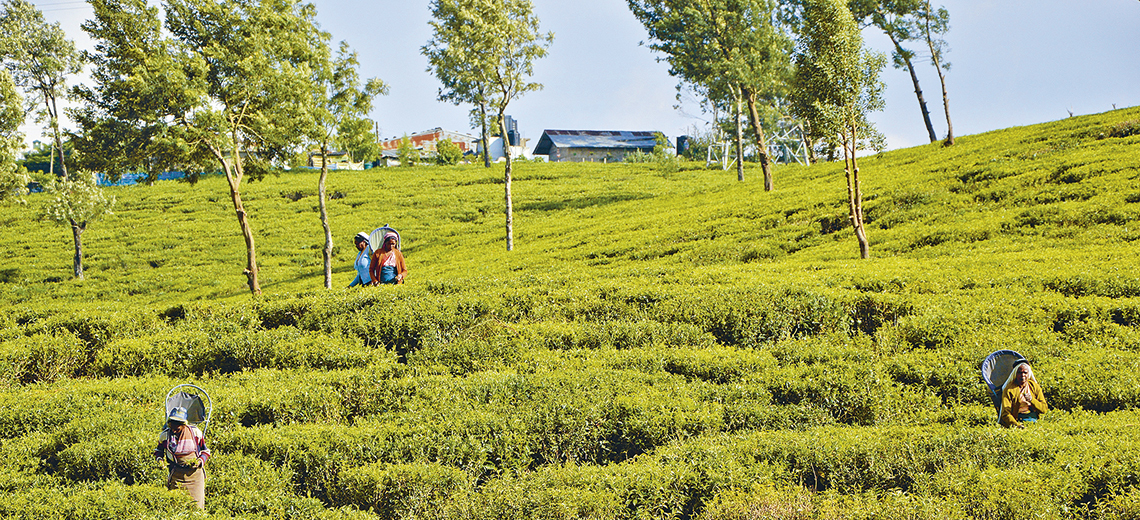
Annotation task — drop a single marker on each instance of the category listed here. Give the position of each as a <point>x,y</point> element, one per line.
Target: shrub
<point>43,358</point>
<point>402,490</point>
<point>447,153</point>
<point>407,153</point>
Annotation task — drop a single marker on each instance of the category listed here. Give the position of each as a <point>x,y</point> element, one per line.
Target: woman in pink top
<point>183,447</point>
<point>388,263</point>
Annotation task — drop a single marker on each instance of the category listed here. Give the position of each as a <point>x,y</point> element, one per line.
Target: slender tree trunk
<point>739,136</point>
<point>77,229</point>
<point>809,142</point>
<point>233,171</point>
<point>935,56</point>
<point>486,143</point>
<point>917,90</point>
<point>507,181</point>
<point>243,221</point>
<point>53,112</point>
<point>854,192</point>
<point>325,215</point>
<point>761,140</point>
<point>945,105</point>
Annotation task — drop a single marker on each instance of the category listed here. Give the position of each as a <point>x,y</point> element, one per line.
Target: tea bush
<point>664,342</point>
<point>402,490</point>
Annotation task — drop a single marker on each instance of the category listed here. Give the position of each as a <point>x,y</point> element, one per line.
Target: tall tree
<point>13,177</point>
<point>933,23</point>
<point>248,64</point>
<point>39,57</point>
<point>837,84</point>
<point>77,202</point>
<point>342,103</point>
<point>738,42</point>
<point>125,122</point>
<point>896,19</point>
<point>502,40</point>
<point>464,78</point>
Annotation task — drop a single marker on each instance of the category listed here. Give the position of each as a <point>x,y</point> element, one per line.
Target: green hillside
<point>663,342</point>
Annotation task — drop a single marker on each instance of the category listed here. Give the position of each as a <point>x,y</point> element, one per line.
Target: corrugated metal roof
<point>594,139</point>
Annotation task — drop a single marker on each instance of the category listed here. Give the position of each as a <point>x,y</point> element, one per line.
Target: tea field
<point>665,342</point>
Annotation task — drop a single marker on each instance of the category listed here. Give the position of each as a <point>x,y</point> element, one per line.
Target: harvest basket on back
<point>376,237</point>
<point>995,370</point>
<point>196,402</point>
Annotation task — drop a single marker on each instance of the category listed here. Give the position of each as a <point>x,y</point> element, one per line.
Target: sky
<point>1013,63</point>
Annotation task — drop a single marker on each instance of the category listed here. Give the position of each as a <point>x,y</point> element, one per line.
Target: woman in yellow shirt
<point>1021,397</point>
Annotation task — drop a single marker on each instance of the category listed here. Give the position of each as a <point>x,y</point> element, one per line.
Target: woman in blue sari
<point>363,261</point>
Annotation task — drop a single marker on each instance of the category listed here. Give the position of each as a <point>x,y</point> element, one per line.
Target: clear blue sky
<point>1014,62</point>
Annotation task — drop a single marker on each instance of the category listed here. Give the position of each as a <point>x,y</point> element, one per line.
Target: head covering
<point>177,414</point>
<point>391,235</point>
<point>1013,373</point>
<point>360,237</point>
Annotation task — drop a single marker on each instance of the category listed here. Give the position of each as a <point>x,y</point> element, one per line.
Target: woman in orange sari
<point>388,263</point>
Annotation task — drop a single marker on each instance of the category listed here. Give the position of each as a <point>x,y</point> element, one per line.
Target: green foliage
<point>734,363</point>
<point>408,154</point>
<point>837,80</point>
<point>447,153</point>
<point>39,58</point>
<point>76,202</point>
<point>13,178</point>
<point>402,490</point>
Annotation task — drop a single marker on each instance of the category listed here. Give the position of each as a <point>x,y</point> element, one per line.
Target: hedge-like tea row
<point>736,363</point>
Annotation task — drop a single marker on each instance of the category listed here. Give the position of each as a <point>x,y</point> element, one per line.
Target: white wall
<point>496,146</point>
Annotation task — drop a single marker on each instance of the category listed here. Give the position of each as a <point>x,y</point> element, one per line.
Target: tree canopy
<point>492,43</point>
<point>39,57</point>
<point>837,85</point>
<point>725,47</point>
<point>13,178</point>
<point>341,105</point>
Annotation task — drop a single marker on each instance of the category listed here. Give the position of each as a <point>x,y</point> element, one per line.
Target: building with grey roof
<point>593,145</point>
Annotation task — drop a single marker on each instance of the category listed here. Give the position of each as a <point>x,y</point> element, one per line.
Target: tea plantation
<point>664,343</point>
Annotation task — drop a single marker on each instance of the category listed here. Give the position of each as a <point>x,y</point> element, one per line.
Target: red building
<point>426,141</point>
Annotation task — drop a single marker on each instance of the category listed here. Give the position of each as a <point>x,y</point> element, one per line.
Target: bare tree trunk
<point>486,144</point>
<point>243,221</point>
<point>739,136</point>
<point>77,229</point>
<point>936,57</point>
<point>761,140</point>
<point>945,105</point>
<point>233,171</point>
<point>53,112</point>
<point>507,182</point>
<point>325,215</point>
<point>809,142</point>
<point>855,193</point>
<point>917,90</point>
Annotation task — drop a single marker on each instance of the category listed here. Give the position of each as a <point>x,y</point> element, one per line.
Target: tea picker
<point>181,445</point>
<point>1015,392</point>
<point>387,265</point>
<point>995,370</point>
